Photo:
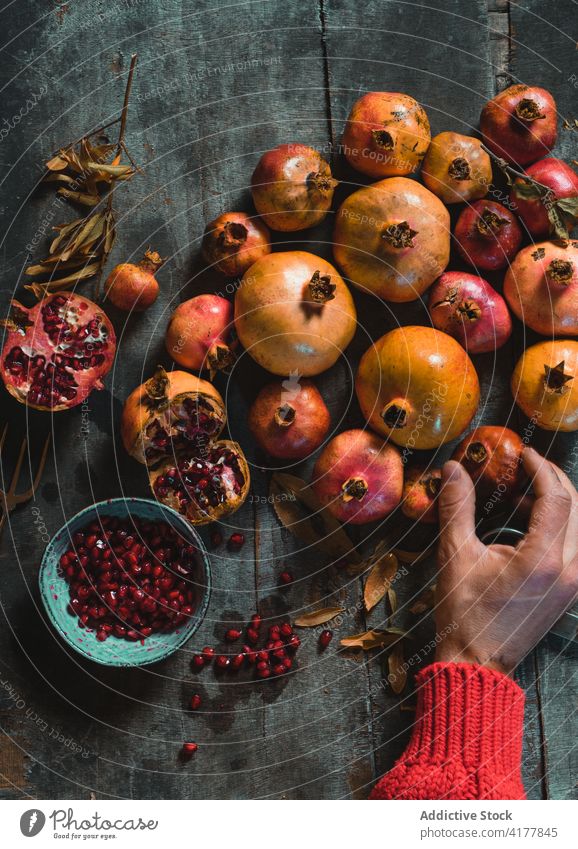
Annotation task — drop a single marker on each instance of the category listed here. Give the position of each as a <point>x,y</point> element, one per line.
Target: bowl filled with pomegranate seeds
<point>126,582</point>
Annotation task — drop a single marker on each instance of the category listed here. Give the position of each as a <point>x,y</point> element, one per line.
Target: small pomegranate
<point>358,477</point>
<point>199,333</point>
<point>386,135</point>
<point>541,287</point>
<point>289,419</point>
<point>292,187</point>
<point>492,457</point>
<point>133,287</point>
<point>392,239</point>
<point>456,168</point>
<point>417,386</point>
<point>56,352</point>
<point>420,491</point>
<point>170,412</point>
<point>487,235</point>
<point>532,206</point>
<point>294,313</point>
<point>234,241</point>
<point>519,124</point>
<point>545,384</point>
<point>470,310</point>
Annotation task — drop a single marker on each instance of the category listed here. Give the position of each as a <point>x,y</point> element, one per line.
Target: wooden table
<point>216,86</point>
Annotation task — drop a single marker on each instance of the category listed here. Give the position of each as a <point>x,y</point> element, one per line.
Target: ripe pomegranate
<point>470,310</point>
<point>199,333</point>
<point>420,491</point>
<point>234,241</point>
<point>56,352</point>
<point>392,239</point>
<point>487,235</point>
<point>519,124</point>
<point>492,457</point>
<point>358,477</point>
<point>456,168</point>
<point>294,313</point>
<point>417,386</point>
<point>289,419</point>
<point>545,384</point>
<point>386,135</point>
<point>206,484</point>
<point>541,287</point>
<point>170,412</point>
<point>133,287</point>
<point>292,187</point>
<point>532,209</point>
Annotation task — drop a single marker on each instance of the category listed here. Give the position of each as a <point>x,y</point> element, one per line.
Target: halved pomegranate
<point>57,351</point>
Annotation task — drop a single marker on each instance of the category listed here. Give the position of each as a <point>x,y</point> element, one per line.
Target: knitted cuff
<point>467,738</point>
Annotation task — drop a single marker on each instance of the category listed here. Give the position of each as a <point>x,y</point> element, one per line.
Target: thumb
<point>457,506</point>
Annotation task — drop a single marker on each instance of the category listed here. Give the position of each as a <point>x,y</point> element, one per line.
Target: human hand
<point>500,599</point>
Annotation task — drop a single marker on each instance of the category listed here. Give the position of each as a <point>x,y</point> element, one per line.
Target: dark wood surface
<point>217,85</point>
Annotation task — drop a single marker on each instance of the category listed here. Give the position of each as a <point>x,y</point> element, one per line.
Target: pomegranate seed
<point>249,654</point>
<point>208,654</point>
<point>237,661</point>
<point>263,656</point>
<point>279,654</point>
<point>264,673</point>
<point>195,702</point>
<point>222,661</point>
<point>198,661</point>
<point>236,542</point>
<point>274,632</point>
<point>256,621</point>
<point>294,642</point>
<point>252,636</point>
<point>278,669</point>
<point>216,539</point>
<point>232,635</point>
<point>189,749</point>
<point>286,630</point>
<point>287,663</point>
<point>325,638</point>
<point>286,578</point>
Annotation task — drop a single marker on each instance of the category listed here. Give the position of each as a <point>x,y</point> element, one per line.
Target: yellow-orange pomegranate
<point>456,168</point>
<point>545,384</point>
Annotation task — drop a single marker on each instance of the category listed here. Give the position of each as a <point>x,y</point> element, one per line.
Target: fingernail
<point>450,470</point>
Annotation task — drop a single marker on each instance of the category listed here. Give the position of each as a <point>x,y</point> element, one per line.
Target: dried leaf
<point>318,617</point>
<point>392,598</point>
<point>59,178</point>
<point>121,172</point>
<point>375,638</point>
<point>57,163</point>
<point>379,580</point>
<point>558,226</point>
<point>79,197</point>
<point>397,671</point>
<point>87,271</point>
<point>527,190</point>
<point>425,601</point>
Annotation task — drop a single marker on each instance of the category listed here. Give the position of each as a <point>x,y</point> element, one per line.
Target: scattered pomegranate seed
<point>278,669</point>
<point>263,656</point>
<point>256,621</point>
<point>264,673</point>
<point>237,661</point>
<point>236,542</point>
<point>189,748</point>
<point>198,661</point>
<point>286,578</point>
<point>287,663</point>
<point>294,642</point>
<point>222,661</point>
<point>249,654</point>
<point>208,654</point>
<point>195,702</point>
<point>232,635</point>
<point>252,636</point>
<point>325,638</point>
<point>274,632</point>
<point>216,539</point>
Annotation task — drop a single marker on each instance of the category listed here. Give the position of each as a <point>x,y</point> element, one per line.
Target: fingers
<point>457,506</point>
<point>551,509</point>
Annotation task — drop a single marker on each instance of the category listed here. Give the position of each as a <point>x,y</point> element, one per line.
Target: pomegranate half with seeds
<point>520,123</point>
<point>56,352</point>
<point>234,241</point>
<point>545,384</point>
<point>492,457</point>
<point>358,477</point>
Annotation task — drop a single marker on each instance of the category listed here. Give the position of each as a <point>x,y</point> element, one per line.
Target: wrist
<point>451,651</point>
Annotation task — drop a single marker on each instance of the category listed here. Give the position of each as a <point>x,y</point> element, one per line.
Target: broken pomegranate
<point>492,457</point>
<point>57,351</point>
<point>133,287</point>
<point>519,124</point>
<point>234,241</point>
<point>487,235</point>
<point>420,491</point>
<point>199,334</point>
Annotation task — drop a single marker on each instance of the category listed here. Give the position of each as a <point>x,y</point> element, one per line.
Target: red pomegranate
<point>199,333</point>
<point>56,352</point>
<point>234,241</point>
<point>466,307</point>
<point>417,386</point>
<point>294,313</point>
<point>519,124</point>
<point>358,477</point>
<point>386,135</point>
<point>420,491</point>
<point>133,287</point>
<point>292,187</point>
<point>532,207</point>
<point>541,287</point>
<point>545,384</point>
<point>487,235</point>
<point>492,457</point>
<point>289,419</point>
<point>456,168</point>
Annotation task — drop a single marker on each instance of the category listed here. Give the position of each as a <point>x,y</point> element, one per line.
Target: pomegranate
<point>199,334</point>
<point>289,419</point>
<point>133,287</point>
<point>417,386</point>
<point>386,135</point>
<point>358,477</point>
<point>456,168</point>
<point>492,457</point>
<point>292,187</point>
<point>519,124</point>
<point>171,411</point>
<point>205,485</point>
<point>545,384</point>
<point>56,352</point>
<point>234,241</point>
<point>532,205</point>
<point>487,235</point>
<point>420,491</point>
<point>466,307</point>
<point>392,239</point>
<point>294,313</point>
<point>541,287</point>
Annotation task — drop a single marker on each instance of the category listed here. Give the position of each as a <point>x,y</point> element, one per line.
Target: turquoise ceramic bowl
<point>116,651</point>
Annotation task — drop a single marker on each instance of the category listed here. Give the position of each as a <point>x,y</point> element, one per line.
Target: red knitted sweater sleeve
<point>466,741</point>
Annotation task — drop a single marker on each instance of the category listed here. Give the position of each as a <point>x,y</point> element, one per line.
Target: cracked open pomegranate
<point>487,235</point>
<point>392,239</point>
<point>199,334</point>
<point>519,124</point>
<point>294,313</point>
<point>358,477</point>
<point>417,386</point>
<point>456,168</point>
<point>57,351</point>
<point>492,457</point>
<point>541,287</point>
<point>545,384</point>
<point>234,241</point>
